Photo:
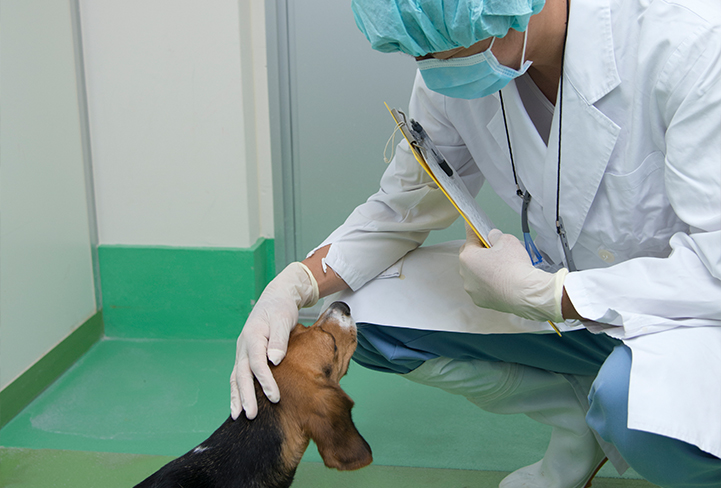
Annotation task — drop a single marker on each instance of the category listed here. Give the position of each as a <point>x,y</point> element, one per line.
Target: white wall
<point>46,276</point>
<point>177,95</point>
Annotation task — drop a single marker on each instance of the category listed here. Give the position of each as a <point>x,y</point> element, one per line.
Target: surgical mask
<point>470,77</point>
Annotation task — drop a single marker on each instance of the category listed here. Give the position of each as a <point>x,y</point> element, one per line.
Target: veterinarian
<point>604,117</point>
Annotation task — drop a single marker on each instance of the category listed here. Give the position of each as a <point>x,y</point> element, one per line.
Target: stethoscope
<point>535,255</point>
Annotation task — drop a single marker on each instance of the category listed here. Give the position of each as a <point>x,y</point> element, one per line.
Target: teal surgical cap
<point>420,27</point>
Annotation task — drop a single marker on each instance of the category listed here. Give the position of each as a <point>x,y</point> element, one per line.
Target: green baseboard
<point>182,293</point>
<point>18,394</point>
<point>156,293</point>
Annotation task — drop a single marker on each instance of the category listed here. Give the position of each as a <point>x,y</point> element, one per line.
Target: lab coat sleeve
<point>408,205</point>
<point>645,295</point>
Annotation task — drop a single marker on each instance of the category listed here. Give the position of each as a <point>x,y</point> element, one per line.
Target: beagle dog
<point>265,452</point>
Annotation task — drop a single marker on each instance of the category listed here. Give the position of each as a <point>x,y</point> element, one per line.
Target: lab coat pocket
<point>629,182</point>
<point>641,217</point>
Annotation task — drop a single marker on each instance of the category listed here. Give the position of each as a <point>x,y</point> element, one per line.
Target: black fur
<point>232,457</point>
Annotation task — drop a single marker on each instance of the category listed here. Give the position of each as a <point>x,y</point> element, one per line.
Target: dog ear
<point>331,427</point>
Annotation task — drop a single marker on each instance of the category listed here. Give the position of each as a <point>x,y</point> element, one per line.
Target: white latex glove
<point>265,336</point>
<point>502,278</point>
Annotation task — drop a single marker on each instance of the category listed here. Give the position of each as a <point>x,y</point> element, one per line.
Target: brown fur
<point>313,404</point>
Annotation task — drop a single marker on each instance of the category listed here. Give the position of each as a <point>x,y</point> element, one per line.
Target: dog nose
<point>342,307</point>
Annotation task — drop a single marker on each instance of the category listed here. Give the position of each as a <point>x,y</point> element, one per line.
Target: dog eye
<point>328,370</point>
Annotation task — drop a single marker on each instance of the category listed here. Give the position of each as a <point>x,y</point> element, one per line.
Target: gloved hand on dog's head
<point>265,336</point>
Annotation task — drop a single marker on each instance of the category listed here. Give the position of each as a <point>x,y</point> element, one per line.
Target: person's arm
<point>391,223</point>
<point>656,292</point>
<point>653,293</point>
<point>567,308</point>
<point>398,218</point>
<point>328,281</point>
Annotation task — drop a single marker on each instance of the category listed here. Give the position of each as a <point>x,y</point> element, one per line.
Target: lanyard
<point>535,255</point>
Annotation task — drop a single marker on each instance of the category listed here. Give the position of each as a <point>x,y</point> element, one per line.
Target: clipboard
<point>447,179</point>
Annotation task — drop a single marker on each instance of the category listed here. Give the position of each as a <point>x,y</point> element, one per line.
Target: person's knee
<point>608,398</point>
<point>659,459</point>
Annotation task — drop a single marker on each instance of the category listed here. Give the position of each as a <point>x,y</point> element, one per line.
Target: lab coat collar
<point>588,136</point>
<point>590,64</point>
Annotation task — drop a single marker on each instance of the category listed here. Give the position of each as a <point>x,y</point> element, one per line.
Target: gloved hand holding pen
<point>502,278</point>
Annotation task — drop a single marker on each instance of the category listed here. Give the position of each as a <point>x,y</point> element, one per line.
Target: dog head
<point>308,378</point>
<point>265,452</point>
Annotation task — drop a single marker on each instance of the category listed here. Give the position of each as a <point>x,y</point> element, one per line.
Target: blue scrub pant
<point>661,460</point>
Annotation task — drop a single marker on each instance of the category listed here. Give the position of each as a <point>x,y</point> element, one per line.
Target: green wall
<point>182,293</point>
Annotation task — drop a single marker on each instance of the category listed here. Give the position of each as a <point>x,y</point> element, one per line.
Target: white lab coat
<point>640,196</point>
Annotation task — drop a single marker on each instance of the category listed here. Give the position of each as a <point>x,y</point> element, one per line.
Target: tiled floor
<point>126,402</point>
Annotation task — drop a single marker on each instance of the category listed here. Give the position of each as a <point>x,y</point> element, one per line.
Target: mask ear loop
<point>525,43</point>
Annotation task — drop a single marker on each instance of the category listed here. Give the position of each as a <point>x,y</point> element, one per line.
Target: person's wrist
<point>309,293</point>
<point>543,300</point>
<point>569,310</point>
<point>559,277</point>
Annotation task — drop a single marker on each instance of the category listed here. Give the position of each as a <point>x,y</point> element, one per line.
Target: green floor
<point>128,406</point>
